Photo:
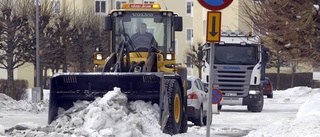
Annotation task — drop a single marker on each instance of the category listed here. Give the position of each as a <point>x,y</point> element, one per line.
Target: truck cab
<point>237,71</point>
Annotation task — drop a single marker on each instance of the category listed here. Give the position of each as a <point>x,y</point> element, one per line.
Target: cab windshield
<point>236,54</point>
<point>142,30</point>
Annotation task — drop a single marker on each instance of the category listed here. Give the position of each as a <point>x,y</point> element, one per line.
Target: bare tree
<point>13,45</point>
<point>87,36</point>
<point>288,26</point>
<point>196,57</point>
<point>45,17</point>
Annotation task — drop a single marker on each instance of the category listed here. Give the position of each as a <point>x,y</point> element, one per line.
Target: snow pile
<point>110,116</point>
<point>9,104</point>
<point>1,130</point>
<point>306,122</point>
<point>294,95</point>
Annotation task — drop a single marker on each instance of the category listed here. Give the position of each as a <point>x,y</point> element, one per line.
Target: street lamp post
<point>37,46</point>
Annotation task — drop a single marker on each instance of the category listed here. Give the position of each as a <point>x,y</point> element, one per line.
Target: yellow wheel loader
<point>143,67</point>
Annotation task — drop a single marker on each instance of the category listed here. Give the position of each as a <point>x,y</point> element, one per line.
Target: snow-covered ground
<point>293,112</point>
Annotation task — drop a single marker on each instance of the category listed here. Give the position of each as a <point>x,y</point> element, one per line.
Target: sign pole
<point>209,111</point>
<point>213,35</point>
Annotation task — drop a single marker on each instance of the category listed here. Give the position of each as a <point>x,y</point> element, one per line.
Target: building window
<point>189,8</point>
<point>189,35</point>
<point>55,6</point>
<point>119,3</point>
<point>100,6</point>
<point>149,1</point>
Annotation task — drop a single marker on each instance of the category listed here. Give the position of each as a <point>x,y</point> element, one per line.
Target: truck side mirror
<point>108,23</point>
<point>206,90</point>
<point>178,26</point>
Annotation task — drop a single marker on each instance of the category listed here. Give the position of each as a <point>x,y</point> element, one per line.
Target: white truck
<point>238,71</point>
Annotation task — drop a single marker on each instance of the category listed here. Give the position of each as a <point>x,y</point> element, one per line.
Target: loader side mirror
<point>108,23</point>
<point>178,26</point>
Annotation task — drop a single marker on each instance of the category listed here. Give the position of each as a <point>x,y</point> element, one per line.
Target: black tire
<point>184,122</point>
<point>270,95</point>
<point>219,107</point>
<point>175,107</point>
<point>205,121</point>
<point>259,106</point>
<point>199,121</point>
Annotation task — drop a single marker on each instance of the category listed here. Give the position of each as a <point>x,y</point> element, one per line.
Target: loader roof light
<point>140,6</point>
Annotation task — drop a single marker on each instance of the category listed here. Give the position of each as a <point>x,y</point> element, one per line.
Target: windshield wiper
<point>128,39</point>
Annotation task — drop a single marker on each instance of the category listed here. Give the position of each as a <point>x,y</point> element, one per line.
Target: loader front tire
<point>184,122</point>
<point>173,124</point>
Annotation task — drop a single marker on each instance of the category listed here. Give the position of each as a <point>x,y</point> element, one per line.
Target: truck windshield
<point>236,54</point>
<point>143,29</point>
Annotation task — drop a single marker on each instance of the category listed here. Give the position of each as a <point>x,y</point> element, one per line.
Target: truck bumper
<point>248,100</point>
<point>251,100</point>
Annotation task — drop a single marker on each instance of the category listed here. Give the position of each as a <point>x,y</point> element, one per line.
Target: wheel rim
<point>177,109</point>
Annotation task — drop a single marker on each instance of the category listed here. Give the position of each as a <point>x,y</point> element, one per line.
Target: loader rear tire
<point>173,124</point>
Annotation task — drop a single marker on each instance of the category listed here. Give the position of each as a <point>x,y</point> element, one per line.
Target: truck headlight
<point>99,56</point>
<point>254,92</point>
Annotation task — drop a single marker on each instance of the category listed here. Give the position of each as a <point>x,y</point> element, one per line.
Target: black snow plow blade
<point>67,88</point>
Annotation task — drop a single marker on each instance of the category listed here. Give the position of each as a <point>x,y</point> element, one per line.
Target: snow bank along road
<point>233,121</point>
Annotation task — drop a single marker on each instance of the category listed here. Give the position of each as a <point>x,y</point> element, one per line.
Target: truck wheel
<point>258,107</point>
<point>205,121</point>
<point>270,95</point>
<point>199,121</point>
<point>175,107</point>
<point>219,107</point>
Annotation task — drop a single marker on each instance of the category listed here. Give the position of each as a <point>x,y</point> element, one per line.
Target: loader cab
<point>161,24</point>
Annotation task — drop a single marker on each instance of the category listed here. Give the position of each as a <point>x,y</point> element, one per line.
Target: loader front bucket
<point>67,88</point>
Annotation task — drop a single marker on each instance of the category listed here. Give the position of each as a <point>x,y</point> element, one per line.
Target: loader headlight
<point>99,56</point>
<point>169,56</point>
<point>253,92</point>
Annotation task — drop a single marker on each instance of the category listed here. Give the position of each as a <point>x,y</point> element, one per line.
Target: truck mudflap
<point>67,88</point>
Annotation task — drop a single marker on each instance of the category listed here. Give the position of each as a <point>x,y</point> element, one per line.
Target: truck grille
<point>232,82</point>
